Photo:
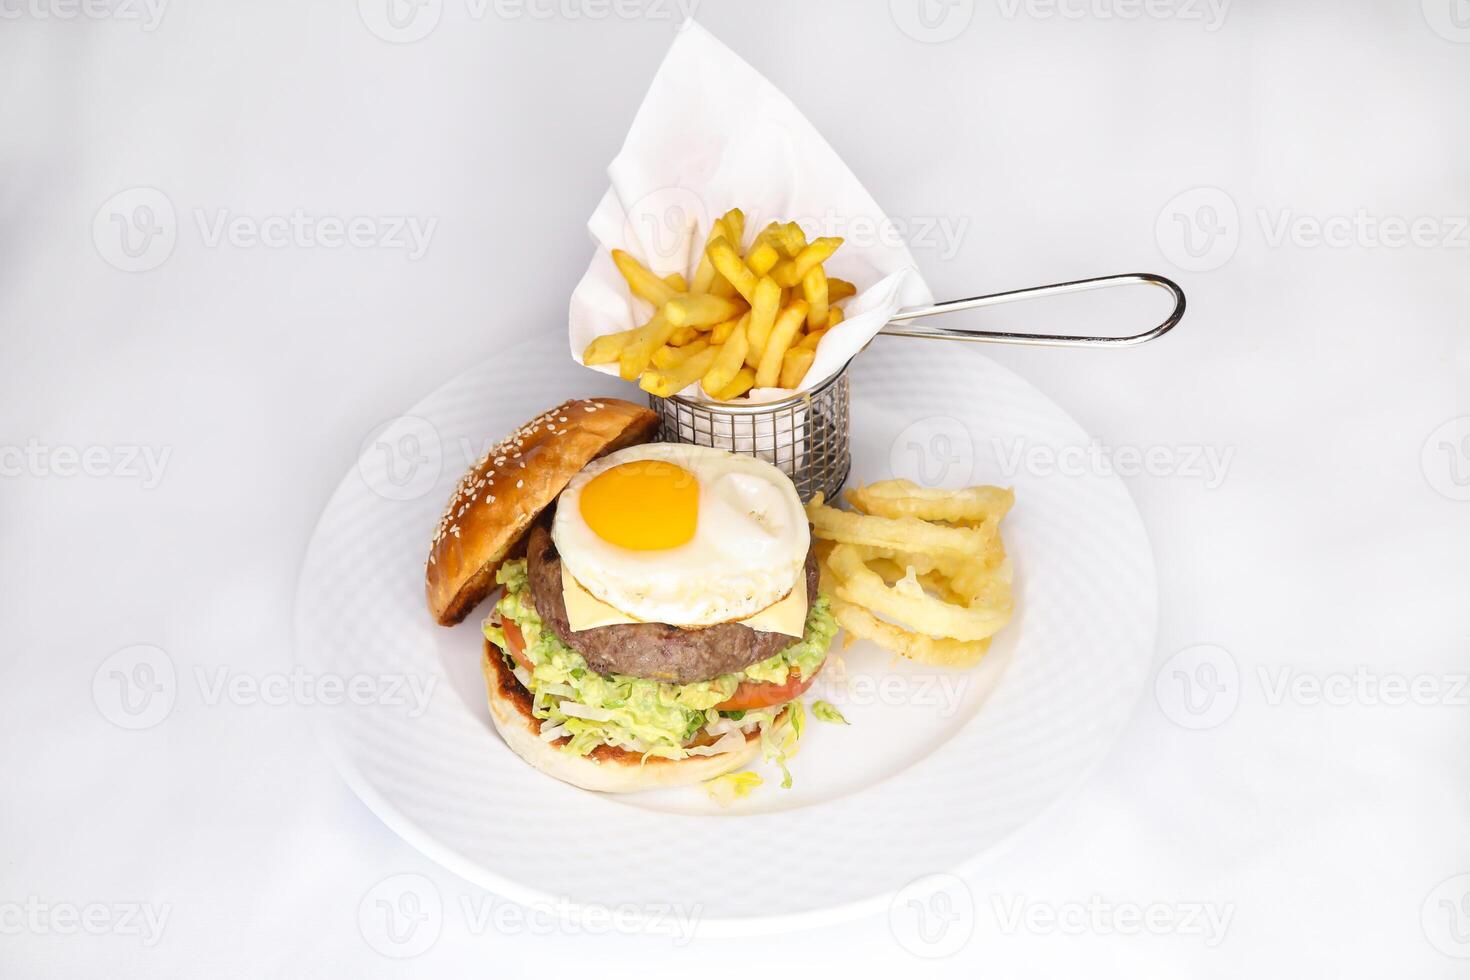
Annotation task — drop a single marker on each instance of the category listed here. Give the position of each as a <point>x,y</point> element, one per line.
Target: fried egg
<point>680,534</point>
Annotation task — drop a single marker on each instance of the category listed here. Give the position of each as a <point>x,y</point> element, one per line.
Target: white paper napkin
<point>713,134</point>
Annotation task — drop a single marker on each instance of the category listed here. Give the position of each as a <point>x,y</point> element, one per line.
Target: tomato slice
<point>515,644</point>
<point>760,694</point>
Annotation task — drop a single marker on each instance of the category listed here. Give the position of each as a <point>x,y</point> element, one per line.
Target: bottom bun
<point>606,769</point>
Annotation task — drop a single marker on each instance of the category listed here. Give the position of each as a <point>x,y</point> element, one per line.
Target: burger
<point>658,616</point>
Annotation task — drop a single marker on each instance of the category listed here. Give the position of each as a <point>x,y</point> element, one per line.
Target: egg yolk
<point>645,505</point>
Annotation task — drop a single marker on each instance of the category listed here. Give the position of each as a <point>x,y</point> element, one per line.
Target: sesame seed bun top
<point>496,502</point>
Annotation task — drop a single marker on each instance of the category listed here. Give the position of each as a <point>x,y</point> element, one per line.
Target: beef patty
<point>653,650</point>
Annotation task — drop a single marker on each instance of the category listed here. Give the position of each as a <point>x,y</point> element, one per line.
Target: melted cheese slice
<point>585,611</point>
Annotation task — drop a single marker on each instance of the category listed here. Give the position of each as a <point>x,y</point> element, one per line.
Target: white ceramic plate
<point>936,768</point>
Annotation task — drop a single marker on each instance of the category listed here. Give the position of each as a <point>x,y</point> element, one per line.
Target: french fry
<point>692,309</point>
<point>729,264</point>
<point>744,317</point>
<point>636,354</point>
<point>763,310</point>
<point>607,348</point>
<point>720,332</point>
<point>770,233</point>
<point>668,355</point>
<point>734,220</point>
<point>793,239</point>
<point>744,381</point>
<point>814,288</point>
<point>723,287</point>
<point>782,332</point>
<point>762,257</point>
<point>729,360</point>
<point>794,364</point>
<point>791,271</point>
<point>811,340</point>
<point>643,283</point>
<point>671,381</point>
<point>707,278</point>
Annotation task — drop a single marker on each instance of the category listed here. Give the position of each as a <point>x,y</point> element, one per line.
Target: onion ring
<point>930,616</point>
<point>903,498</point>
<point>896,533</point>
<point>936,652</point>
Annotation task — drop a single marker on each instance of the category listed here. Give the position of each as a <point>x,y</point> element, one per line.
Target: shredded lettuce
<point>824,711</point>
<point>732,786</point>
<point>651,717</point>
<point>779,741</point>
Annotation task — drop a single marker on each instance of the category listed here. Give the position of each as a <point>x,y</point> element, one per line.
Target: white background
<point>1053,146</point>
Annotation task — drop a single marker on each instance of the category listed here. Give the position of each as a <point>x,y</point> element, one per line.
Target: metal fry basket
<point>808,435</point>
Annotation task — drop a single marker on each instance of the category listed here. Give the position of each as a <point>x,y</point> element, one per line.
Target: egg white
<point>748,550</point>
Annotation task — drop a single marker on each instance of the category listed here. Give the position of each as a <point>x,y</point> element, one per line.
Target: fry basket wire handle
<point>895,327</point>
